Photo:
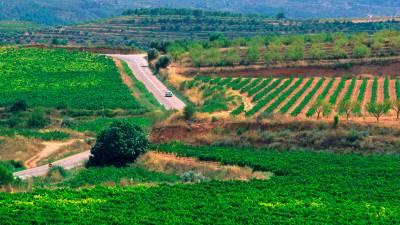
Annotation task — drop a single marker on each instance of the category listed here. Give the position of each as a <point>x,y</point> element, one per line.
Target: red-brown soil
<point>390,69</point>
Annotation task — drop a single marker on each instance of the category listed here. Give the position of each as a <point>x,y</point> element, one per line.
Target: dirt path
<point>314,98</point>
<point>50,148</point>
<point>291,95</point>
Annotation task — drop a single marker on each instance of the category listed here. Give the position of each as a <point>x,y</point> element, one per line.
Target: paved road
<point>140,68</point>
<point>67,163</point>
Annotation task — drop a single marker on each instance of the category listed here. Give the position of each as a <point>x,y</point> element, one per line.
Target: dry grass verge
<point>172,164</point>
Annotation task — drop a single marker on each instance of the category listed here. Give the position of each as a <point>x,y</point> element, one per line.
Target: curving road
<point>140,68</point>
<point>68,163</point>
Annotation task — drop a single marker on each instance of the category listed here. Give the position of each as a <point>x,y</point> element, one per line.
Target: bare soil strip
<point>314,98</point>
<point>367,96</point>
<point>298,101</point>
<point>380,93</point>
<point>291,95</point>
<point>343,92</point>
<point>262,89</point>
<point>356,91</point>
<point>332,90</point>
<point>392,90</point>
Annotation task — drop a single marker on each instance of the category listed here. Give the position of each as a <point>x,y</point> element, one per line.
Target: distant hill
<point>144,27</point>
<point>71,11</point>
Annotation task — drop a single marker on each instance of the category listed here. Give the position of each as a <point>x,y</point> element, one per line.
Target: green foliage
<point>152,54</point>
<point>324,93</point>
<point>296,96</point>
<point>374,92</point>
<point>99,124</point>
<point>163,62</point>
<point>119,144</point>
<point>361,94</point>
<point>251,85</point>
<point>269,97</point>
<point>188,112</point>
<point>308,186</point>
<point>307,98</point>
<point>62,79</point>
<point>19,106</point>
<point>336,121</point>
<point>386,95</point>
<point>38,119</point>
<point>284,96</point>
<point>378,109</point>
<point>46,136</point>
<point>268,89</point>
<point>348,107</point>
<point>98,176</point>
<point>6,176</point>
<point>361,51</point>
<point>338,90</point>
<point>398,88</point>
<point>260,86</point>
<point>238,110</point>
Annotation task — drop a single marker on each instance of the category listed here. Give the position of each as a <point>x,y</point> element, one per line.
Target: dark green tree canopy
<point>118,145</point>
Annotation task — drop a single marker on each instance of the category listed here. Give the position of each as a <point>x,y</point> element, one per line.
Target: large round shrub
<point>119,144</point>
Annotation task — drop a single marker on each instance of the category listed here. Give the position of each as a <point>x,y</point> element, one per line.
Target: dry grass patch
<point>172,164</point>
<point>19,148</point>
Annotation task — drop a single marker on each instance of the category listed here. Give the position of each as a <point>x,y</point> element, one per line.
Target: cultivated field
<point>62,79</point>
<point>297,96</point>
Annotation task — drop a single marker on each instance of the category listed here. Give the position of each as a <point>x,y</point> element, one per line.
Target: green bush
<point>38,119</point>
<point>152,54</point>
<point>118,145</point>
<point>19,106</point>
<point>188,112</point>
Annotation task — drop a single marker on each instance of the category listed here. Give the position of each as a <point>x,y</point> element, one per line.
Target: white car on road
<point>168,94</point>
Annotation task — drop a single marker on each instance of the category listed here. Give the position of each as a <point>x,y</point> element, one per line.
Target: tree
<point>163,62</point>
<point>316,51</point>
<point>322,107</point>
<point>378,109</point>
<point>6,176</point>
<point>361,51</point>
<point>188,112</point>
<point>19,106</point>
<point>348,107</point>
<point>232,56</point>
<point>396,107</point>
<point>119,144</point>
<point>295,51</point>
<point>280,16</point>
<point>152,54</point>
<point>38,119</point>
<point>253,54</point>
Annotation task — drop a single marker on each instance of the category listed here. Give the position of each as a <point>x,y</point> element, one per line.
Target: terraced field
<point>296,96</point>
